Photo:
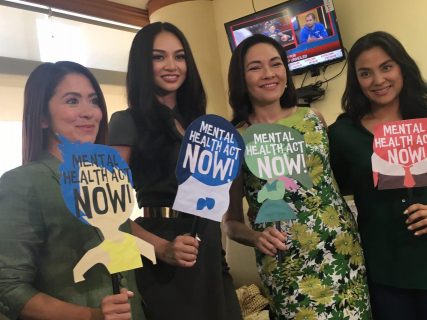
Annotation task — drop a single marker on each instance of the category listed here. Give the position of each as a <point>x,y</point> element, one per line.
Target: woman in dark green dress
<point>383,84</point>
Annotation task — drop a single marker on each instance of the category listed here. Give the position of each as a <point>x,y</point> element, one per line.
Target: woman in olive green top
<point>383,84</point>
<point>40,241</point>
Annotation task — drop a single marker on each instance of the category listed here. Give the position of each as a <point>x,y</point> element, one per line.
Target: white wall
<point>203,23</point>
<point>355,18</point>
<point>39,37</point>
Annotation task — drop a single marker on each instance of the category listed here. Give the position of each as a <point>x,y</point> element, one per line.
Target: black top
<point>204,291</point>
<point>394,256</point>
<point>153,174</point>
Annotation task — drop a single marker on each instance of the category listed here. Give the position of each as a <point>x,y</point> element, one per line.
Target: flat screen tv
<point>306,29</point>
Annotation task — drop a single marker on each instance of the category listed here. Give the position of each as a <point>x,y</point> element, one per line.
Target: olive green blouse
<point>41,242</point>
<point>394,256</point>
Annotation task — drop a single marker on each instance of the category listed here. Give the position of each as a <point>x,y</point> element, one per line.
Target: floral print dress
<point>323,273</point>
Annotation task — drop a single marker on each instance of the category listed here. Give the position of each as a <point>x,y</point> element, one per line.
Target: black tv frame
<point>292,12</point>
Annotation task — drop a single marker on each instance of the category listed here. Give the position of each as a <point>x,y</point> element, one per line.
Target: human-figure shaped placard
<point>275,153</point>
<point>210,159</point>
<point>96,184</point>
<point>400,154</point>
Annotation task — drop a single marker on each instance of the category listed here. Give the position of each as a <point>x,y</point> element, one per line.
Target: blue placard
<point>209,160</point>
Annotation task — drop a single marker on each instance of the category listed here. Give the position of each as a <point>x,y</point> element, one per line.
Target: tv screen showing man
<point>312,30</point>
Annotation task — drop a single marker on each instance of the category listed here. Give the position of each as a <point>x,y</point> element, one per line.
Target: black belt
<point>163,212</point>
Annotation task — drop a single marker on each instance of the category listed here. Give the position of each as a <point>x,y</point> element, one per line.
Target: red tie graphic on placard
<point>408,181</point>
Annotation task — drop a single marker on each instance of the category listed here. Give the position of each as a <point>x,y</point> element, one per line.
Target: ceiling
<point>141,4</point>
<point>130,12</point>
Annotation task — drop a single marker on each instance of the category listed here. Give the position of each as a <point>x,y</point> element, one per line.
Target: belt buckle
<point>160,212</point>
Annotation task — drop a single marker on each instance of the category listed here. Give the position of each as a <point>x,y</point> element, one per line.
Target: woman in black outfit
<point>165,93</point>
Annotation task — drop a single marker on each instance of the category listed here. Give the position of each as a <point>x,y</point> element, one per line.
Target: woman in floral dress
<point>322,275</point>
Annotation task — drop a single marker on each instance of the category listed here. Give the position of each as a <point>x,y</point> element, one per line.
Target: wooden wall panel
<point>102,9</point>
<point>154,5</point>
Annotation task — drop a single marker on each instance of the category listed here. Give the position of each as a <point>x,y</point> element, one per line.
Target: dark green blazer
<point>394,256</point>
<point>41,242</point>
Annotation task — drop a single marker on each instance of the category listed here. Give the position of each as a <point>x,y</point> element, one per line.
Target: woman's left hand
<point>117,306</point>
<point>417,218</point>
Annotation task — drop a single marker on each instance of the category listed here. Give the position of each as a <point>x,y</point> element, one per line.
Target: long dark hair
<point>141,89</point>
<point>39,89</point>
<point>238,95</point>
<point>412,98</point>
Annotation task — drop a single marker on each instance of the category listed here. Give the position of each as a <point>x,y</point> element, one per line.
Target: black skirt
<point>202,292</point>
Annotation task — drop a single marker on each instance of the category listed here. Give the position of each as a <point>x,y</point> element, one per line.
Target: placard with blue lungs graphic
<point>210,159</point>
<point>96,184</point>
<point>276,153</point>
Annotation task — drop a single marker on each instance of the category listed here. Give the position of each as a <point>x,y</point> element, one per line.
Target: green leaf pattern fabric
<point>323,275</point>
